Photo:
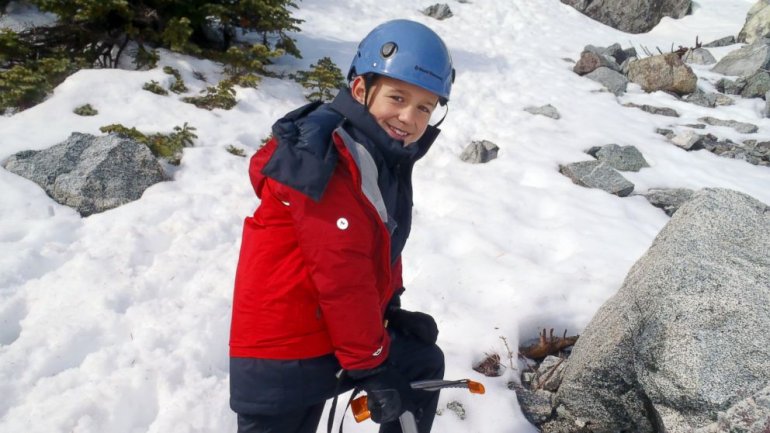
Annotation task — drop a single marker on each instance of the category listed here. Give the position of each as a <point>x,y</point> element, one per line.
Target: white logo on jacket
<point>377,352</point>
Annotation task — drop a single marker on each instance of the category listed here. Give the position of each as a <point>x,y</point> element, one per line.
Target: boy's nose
<point>408,114</point>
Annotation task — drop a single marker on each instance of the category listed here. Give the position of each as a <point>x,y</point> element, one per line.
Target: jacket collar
<point>367,131</point>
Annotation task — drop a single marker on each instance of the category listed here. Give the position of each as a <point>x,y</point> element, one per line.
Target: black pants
<point>414,359</point>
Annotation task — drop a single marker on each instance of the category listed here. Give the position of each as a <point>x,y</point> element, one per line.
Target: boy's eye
<point>425,109</point>
<point>397,98</point>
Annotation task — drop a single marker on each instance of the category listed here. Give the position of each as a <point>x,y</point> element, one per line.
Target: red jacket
<point>313,277</point>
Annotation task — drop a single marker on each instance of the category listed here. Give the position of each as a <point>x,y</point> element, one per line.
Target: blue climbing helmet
<point>408,51</point>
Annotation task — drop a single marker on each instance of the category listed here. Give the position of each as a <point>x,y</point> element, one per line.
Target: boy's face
<point>401,109</point>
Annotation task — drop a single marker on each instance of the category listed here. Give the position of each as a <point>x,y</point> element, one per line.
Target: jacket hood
<point>305,157</point>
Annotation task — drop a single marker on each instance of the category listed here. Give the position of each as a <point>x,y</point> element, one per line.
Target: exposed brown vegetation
<point>490,366</point>
<point>548,345</point>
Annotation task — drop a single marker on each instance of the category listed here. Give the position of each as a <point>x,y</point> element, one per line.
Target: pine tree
<point>95,33</point>
<point>324,78</point>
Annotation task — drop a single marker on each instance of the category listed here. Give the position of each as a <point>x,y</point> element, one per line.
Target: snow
<point>118,322</point>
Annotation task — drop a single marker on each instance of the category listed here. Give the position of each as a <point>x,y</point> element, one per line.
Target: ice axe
<point>408,423</point>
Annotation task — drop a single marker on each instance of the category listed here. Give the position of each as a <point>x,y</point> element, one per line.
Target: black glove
<point>387,392</point>
<point>414,323</point>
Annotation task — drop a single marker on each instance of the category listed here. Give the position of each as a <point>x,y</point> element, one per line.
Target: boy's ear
<point>358,89</point>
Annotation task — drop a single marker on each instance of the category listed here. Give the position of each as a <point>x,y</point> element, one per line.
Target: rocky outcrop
<point>721,42</point>
<point>751,151</point>
<point>757,24</point>
<point>683,338</point>
<point>757,85</point>
<point>622,158</point>
<point>742,127</point>
<point>710,99</point>
<point>612,80</point>
<point>664,72</point>
<point>91,174</point>
<point>480,152</point>
<point>591,60</point>
<point>747,60</point>
<point>598,174</point>
<point>439,11</point>
<point>670,200</point>
<point>660,111</point>
<point>752,415</point>
<point>632,16</point>
<point>699,56</point>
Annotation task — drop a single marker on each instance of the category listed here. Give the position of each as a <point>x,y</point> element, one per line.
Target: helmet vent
<point>388,49</point>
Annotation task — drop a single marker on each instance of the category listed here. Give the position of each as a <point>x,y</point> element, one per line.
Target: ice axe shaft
<point>408,423</point>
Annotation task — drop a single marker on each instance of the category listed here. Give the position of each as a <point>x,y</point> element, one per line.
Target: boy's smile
<point>403,110</point>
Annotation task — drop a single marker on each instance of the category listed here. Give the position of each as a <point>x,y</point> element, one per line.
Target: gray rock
<point>696,125</point>
<point>630,52</point>
<point>664,72</point>
<point>751,415</point>
<point>614,51</point>
<point>590,61</point>
<point>560,425</point>
<point>757,85</point>
<point>622,55</point>
<point>91,174</point>
<point>731,87</point>
<point>597,174</point>
<point>722,42</point>
<point>699,97</point>
<point>545,110</point>
<point>684,333</point>
<point>549,374</point>
<point>729,149</point>
<point>626,65</point>
<point>757,24</point>
<point>665,132</point>
<point>668,199</point>
<point>767,105</point>
<point>612,80</point>
<point>743,128</point>
<point>536,405</point>
<point>758,153</point>
<point>547,364</point>
<point>751,151</point>
<point>480,152</point>
<point>745,61</point>
<point>526,378</point>
<point>722,100</point>
<point>699,56</point>
<point>622,158</point>
<point>687,140</point>
<point>662,111</point>
<point>439,11</point>
<point>632,16</point>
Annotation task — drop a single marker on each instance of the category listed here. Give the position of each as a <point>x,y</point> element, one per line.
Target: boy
<point>319,275</point>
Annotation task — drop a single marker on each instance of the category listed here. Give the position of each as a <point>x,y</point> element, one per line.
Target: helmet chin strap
<point>368,82</point>
<point>442,117</point>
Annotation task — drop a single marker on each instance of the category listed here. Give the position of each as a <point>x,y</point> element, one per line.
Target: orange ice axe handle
<point>361,411</point>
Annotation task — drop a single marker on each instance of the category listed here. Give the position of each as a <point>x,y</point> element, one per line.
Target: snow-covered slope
<point>118,323</point>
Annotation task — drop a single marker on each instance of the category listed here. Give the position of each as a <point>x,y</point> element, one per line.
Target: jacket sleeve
<point>338,237</point>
